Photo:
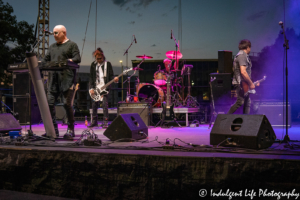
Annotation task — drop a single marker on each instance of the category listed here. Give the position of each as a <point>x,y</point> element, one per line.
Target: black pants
<point>241,100</point>
<point>67,101</point>
<point>95,106</point>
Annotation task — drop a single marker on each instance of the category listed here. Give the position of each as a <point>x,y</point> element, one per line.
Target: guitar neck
<point>261,80</point>
<point>110,82</point>
<point>168,93</point>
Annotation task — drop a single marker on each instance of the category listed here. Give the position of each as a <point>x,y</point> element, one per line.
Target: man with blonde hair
<point>62,81</point>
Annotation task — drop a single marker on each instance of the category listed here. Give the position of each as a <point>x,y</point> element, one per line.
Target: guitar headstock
<point>77,87</point>
<point>127,70</point>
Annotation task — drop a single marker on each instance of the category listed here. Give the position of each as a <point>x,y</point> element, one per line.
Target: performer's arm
<point>246,77</point>
<point>47,57</point>
<point>75,54</point>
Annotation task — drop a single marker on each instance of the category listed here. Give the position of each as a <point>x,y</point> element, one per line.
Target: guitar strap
<point>105,69</point>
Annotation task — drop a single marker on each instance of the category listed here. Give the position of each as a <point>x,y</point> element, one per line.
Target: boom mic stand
<point>128,82</point>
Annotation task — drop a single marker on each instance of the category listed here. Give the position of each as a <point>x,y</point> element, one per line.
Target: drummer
<point>168,64</point>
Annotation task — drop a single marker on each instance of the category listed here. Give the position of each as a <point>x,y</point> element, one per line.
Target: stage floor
<point>199,136</point>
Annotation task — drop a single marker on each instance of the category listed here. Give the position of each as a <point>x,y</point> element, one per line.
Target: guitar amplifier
<point>275,111</point>
<point>143,109</point>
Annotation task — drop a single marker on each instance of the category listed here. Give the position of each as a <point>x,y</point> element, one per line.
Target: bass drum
<point>150,93</point>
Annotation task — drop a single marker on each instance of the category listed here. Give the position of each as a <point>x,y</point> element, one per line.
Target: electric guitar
<point>168,107</point>
<point>100,89</point>
<point>246,89</point>
<point>76,88</point>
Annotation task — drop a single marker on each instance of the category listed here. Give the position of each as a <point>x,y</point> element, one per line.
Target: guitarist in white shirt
<point>101,72</point>
<point>242,74</point>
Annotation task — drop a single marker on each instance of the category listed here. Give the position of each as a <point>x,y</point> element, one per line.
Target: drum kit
<point>156,93</point>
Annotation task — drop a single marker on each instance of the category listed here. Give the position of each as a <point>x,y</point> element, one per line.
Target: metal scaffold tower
<point>43,24</point>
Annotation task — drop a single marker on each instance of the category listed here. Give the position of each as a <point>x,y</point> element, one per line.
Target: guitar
<point>245,86</point>
<point>168,107</point>
<point>76,88</point>
<point>100,89</point>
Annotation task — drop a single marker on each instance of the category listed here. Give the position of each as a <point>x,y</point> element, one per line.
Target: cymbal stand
<point>176,98</point>
<point>129,96</point>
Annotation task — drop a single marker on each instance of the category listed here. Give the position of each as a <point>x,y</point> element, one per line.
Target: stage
<point>147,169</point>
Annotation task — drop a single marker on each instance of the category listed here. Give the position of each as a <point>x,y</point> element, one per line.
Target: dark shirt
<point>62,52</point>
<point>109,74</point>
<point>62,80</point>
<point>241,59</point>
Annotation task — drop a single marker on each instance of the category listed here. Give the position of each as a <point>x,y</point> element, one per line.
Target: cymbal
<point>144,57</point>
<point>172,54</point>
<point>136,68</point>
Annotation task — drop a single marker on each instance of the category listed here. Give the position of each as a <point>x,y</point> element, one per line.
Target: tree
<point>15,39</point>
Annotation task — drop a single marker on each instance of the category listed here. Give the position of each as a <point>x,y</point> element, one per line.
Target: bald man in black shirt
<point>62,81</point>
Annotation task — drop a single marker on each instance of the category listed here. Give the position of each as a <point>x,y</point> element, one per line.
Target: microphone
<point>280,23</point>
<point>134,38</point>
<point>171,34</point>
<point>50,33</point>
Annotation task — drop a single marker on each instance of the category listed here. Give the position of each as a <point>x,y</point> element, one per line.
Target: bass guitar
<point>246,87</point>
<point>100,89</point>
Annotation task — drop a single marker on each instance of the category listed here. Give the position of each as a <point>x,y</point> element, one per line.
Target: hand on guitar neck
<point>250,89</point>
<point>253,85</point>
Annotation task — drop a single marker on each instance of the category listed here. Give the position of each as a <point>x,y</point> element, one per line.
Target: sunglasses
<point>100,58</point>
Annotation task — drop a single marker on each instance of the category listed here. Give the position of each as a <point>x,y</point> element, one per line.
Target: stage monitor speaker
<point>225,62</point>
<point>143,109</point>
<point>21,106</point>
<point>127,126</point>
<point>8,123</point>
<point>246,131</point>
<point>221,88</point>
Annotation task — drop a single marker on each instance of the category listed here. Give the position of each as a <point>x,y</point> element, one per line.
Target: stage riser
<point>117,176</point>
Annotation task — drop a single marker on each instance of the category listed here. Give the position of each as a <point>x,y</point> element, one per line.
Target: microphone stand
<point>286,47</point>
<point>128,82</point>
<point>126,52</point>
<point>176,60</point>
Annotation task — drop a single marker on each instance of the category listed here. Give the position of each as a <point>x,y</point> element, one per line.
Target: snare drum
<point>151,93</point>
<point>160,78</point>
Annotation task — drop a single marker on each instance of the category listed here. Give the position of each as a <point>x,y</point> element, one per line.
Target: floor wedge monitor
<point>127,126</point>
<point>245,131</point>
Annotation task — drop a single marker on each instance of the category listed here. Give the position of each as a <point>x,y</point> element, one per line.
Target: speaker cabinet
<point>21,84</point>
<point>21,106</point>
<point>8,123</point>
<point>275,111</point>
<point>143,109</point>
<point>127,126</point>
<point>246,131</point>
<point>225,62</point>
<point>221,88</point>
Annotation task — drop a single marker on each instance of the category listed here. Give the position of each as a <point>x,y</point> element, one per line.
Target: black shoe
<point>93,124</point>
<point>70,132</point>
<point>56,133</point>
<point>68,136</point>
<point>105,124</point>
